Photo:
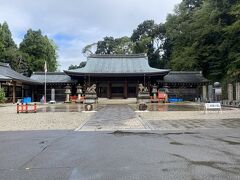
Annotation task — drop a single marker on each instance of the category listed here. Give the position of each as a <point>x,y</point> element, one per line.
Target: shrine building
<point>118,76</point>
<point>115,76</point>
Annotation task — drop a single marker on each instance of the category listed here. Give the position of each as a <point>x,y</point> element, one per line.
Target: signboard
<point>213,106</point>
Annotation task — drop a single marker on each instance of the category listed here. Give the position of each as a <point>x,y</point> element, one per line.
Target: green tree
<point>110,45</point>
<point>1,43</point>
<point>203,37</point>
<point>106,46</point>
<point>200,35</point>
<point>2,95</point>
<point>232,34</point>
<point>39,49</point>
<point>7,45</point>
<point>149,38</point>
<point>89,49</point>
<point>7,37</point>
<point>81,65</point>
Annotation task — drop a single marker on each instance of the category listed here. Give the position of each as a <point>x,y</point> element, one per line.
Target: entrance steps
<point>117,101</point>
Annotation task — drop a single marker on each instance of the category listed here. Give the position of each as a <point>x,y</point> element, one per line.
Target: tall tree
<point>1,43</point>
<point>149,38</point>
<point>110,45</point>
<point>232,34</point>
<point>105,46</point>
<point>199,38</point>
<point>7,37</point>
<point>8,49</point>
<point>40,49</point>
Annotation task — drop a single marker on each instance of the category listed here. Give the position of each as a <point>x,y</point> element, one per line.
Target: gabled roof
<point>51,77</point>
<point>185,77</point>
<point>7,73</point>
<point>136,64</point>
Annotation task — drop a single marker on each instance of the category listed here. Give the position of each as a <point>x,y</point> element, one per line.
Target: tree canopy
<point>201,35</point>
<point>40,49</point>
<point>34,50</point>
<point>205,37</point>
<point>81,65</point>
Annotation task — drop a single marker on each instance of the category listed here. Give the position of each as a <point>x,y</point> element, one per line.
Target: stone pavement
<point>182,120</point>
<point>123,117</point>
<point>194,124</point>
<point>113,117</point>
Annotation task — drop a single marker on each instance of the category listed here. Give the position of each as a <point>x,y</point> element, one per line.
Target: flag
<point>45,67</point>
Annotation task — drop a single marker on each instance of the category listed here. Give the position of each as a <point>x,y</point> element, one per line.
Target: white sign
<point>213,106</point>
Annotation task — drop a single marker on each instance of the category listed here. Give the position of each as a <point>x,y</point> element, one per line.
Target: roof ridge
<point>142,55</point>
<point>5,64</point>
<point>185,72</point>
<point>50,73</point>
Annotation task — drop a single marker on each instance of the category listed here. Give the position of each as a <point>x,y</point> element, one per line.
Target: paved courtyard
<point>63,142</point>
<point>113,117</point>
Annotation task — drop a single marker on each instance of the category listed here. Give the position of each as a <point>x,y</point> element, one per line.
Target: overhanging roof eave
<point>117,74</point>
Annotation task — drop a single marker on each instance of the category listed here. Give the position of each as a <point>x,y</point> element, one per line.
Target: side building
<point>54,80</point>
<point>16,85</point>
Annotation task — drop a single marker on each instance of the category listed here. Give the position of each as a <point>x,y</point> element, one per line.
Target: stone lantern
<point>154,91</point>
<point>67,92</point>
<point>79,93</point>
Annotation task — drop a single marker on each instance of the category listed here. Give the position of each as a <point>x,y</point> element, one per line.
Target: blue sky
<point>74,24</point>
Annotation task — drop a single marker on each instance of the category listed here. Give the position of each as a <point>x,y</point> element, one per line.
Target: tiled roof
<point>51,77</point>
<point>7,73</point>
<point>4,78</point>
<point>184,77</point>
<point>117,64</point>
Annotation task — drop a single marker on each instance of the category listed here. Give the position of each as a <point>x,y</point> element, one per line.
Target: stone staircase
<point>117,101</point>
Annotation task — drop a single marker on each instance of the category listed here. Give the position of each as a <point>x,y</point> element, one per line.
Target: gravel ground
<point>11,121</point>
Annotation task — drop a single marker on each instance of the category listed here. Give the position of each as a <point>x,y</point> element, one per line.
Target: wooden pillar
<point>109,90</point>
<point>126,90</point>
<point>32,89</point>
<point>14,92</point>
<point>89,81</point>
<point>22,91</point>
<point>137,89</point>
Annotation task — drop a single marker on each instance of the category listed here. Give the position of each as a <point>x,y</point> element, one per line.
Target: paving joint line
<point>145,124</point>
<point>83,124</point>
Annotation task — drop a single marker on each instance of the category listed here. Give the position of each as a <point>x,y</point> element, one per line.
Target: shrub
<point>2,95</point>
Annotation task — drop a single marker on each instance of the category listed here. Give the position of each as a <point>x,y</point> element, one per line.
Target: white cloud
<point>84,20</point>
